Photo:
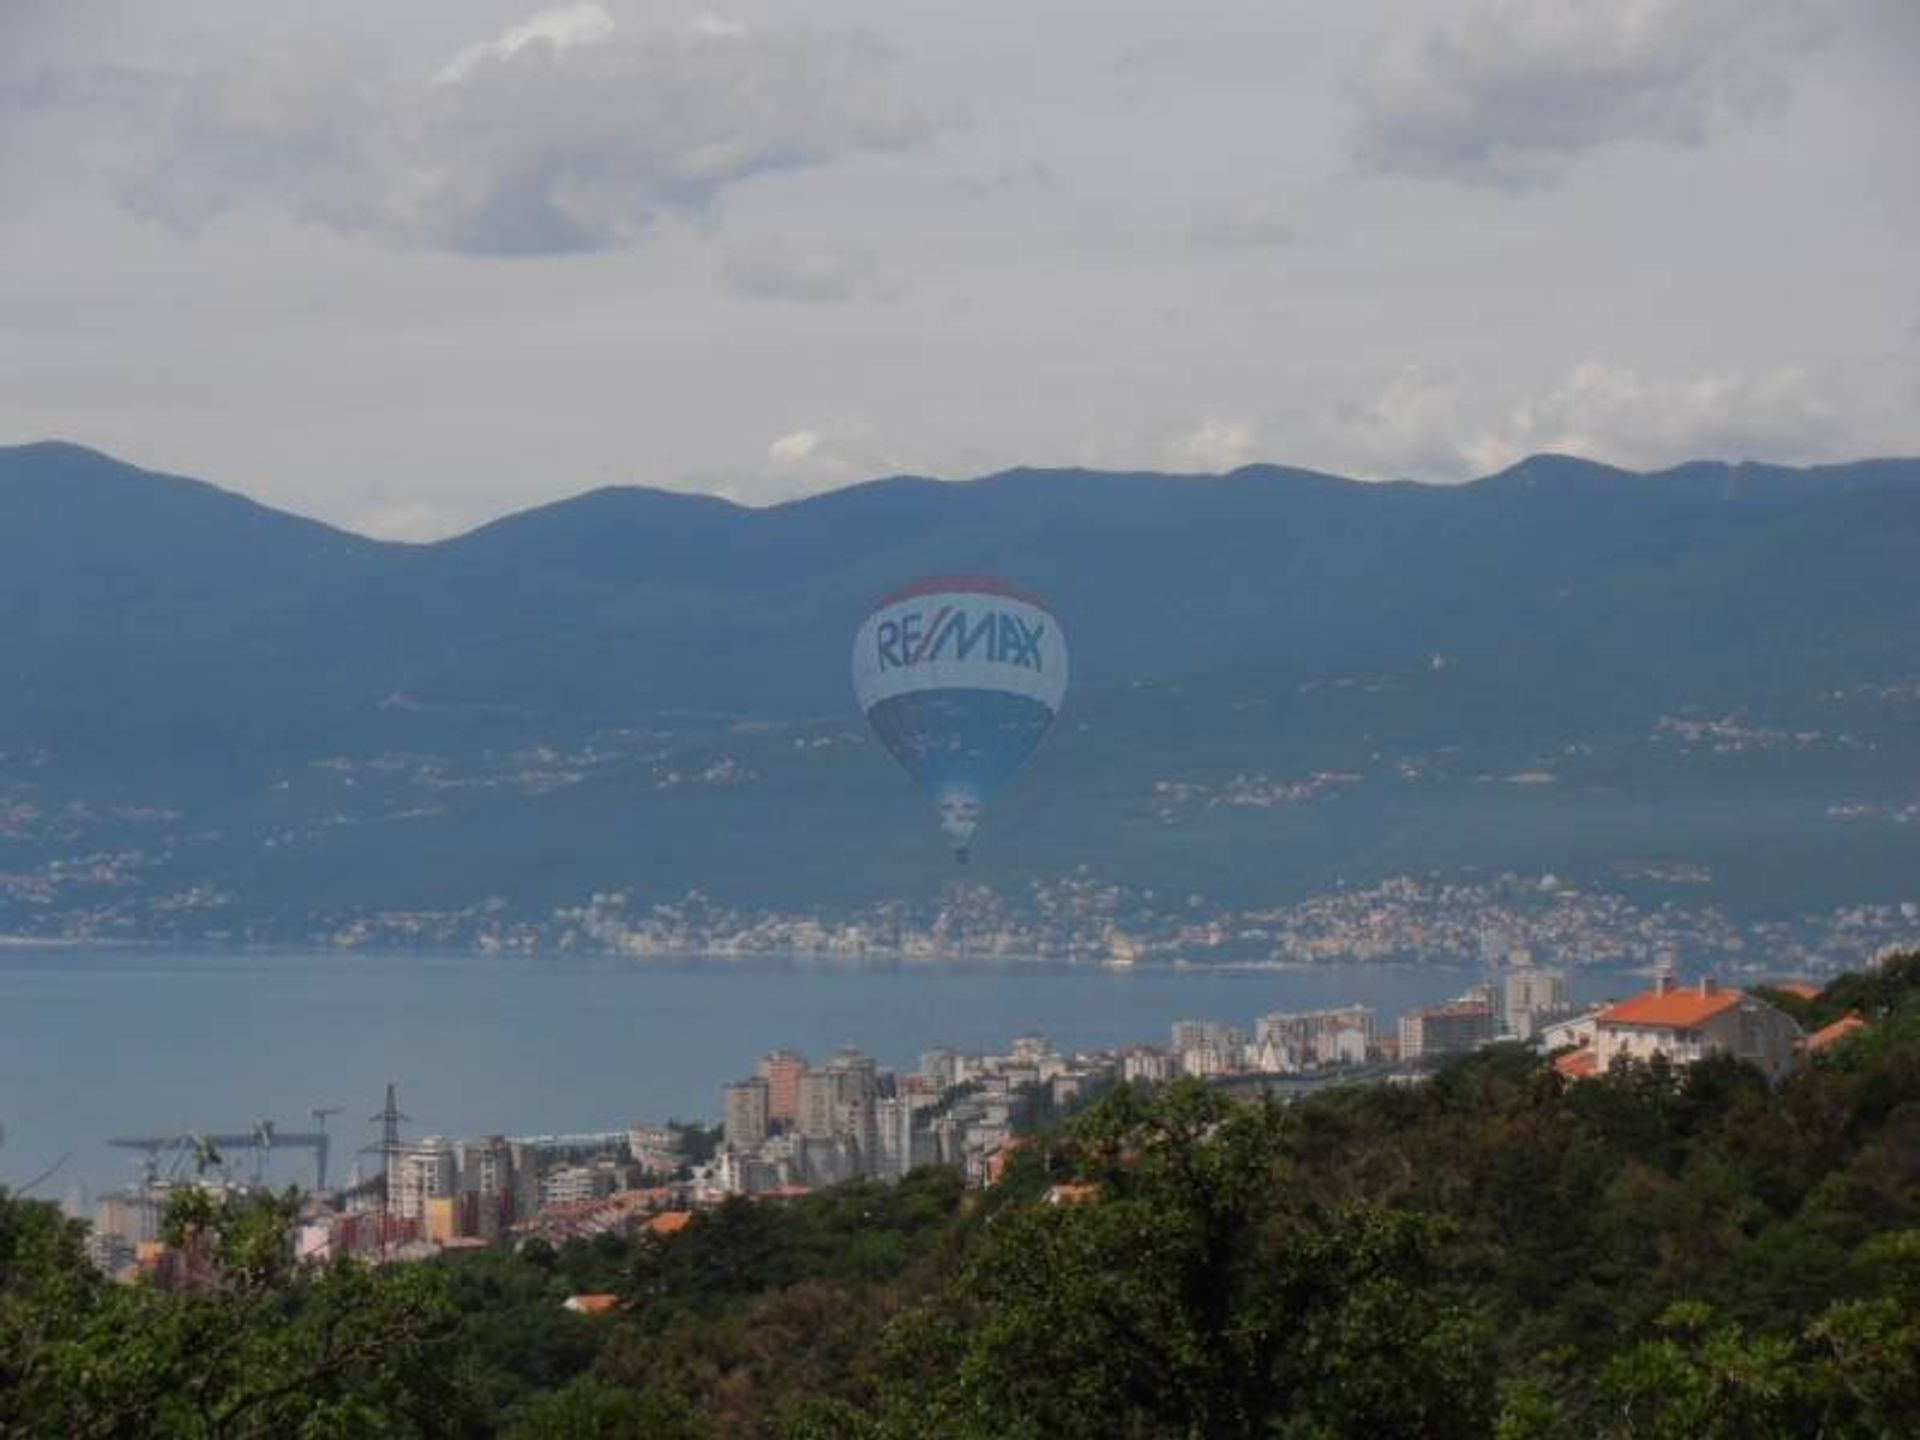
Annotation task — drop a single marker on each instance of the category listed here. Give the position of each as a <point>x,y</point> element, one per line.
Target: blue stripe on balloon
<point>967,739</point>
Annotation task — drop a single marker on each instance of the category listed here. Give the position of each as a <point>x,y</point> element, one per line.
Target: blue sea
<point>111,1041</point>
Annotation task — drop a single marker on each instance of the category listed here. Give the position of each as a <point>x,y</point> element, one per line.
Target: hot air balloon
<point>960,677</point>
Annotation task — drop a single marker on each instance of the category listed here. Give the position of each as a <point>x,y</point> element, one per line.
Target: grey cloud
<point>1247,228</point>
<point>775,271</point>
<point>1034,175</point>
<point>567,138</point>
<point>1517,90</point>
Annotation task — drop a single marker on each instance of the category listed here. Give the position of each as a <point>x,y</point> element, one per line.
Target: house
<point>1572,1030</point>
<point>590,1304</point>
<point>1830,1035</point>
<point>1798,989</point>
<point>1578,1064</point>
<point>1686,1024</point>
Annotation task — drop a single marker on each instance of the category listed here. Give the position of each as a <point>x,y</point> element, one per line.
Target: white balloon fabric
<point>960,678</point>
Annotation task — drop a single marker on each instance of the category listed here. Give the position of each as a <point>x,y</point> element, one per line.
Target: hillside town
<point>799,1124</point>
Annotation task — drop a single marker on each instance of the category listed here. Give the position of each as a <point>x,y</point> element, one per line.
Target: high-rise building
<point>1030,1048</point>
<point>899,1142</point>
<point>748,1110</point>
<point>782,1069</point>
<point>940,1066</point>
<point>418,1172</point>
<point>1143,1062</point>
<point>858,1073</point>
<point>818,1090</point>
<point>132,1214</point>
<point>1316,1037</point>
<point>1533,995</point>
<point>856,1090</point>
<point>570,1184</point>
<point>1445,1029</point>
<point>489,1191</point>
<point>1205,1047</point>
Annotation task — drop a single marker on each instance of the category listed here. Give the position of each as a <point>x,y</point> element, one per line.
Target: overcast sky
<point>409,266</point>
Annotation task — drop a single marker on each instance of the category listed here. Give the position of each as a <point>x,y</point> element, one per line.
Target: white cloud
<point>794,448</point>
<point>1514,91</point>
<point>818,457</point>
<point>563,28</point>
<point>813,274</point>
<point>1411,427</point>
<point>1213,446</point>
<point>1417,426</point>
<point>1611,413</point>
<point>562,134</point>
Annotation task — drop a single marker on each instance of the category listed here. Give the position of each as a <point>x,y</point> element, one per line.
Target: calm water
<point>114,1041</point>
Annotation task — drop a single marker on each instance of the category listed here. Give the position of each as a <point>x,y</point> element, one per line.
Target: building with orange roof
<point>1578,1064</point>
<point>591,1304</point>
<point>669,1222</point>
<point>1002,1156</point>
<point>1686,1024</point>
<point>1799,989</point>
<point>1830,1035</point>
<point>1073,1193</point>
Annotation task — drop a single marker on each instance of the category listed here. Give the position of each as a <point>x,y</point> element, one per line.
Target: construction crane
<point>320,1114</point>
<point>208,1150</point>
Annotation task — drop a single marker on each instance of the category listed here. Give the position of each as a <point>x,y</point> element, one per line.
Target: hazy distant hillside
<point>1562,666</point>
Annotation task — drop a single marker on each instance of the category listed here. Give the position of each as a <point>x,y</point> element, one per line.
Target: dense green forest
<point>1654,1253</point>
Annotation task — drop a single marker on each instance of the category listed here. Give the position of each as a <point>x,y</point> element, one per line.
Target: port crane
<point>208,1150</point>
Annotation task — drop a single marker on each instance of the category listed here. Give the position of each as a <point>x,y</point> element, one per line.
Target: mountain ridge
<point>72,459</point>
<point>332,715</point>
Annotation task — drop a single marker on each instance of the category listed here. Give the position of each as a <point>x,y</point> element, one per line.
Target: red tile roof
<point>1686,1009</point>
<point>1832,1034</point>
<point>595,1304</point>
<point>1084,1193</point>
<point>670,1222</point>
<point>1578,1064</point>
<point>1799,989</point>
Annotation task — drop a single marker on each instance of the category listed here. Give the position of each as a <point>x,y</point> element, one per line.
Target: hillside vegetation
<point>1497,1252</point>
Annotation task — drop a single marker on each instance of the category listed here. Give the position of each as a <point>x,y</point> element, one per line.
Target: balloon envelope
<point>960,677</point>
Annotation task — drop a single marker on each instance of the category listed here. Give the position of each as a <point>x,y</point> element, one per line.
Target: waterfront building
<point>900,1142</point>
<point>1303,1039</point>
<point>1205,1047</point>
<point>1576,1030</point>
<point>571,1184</point>
<point>1030,1048</point>
<point>1143,1062</point>
<point>748,1111</point>
<point>858,1073</point>
<point>782,1069</point>
<point>132,1215</point>
<point>738,1173</point>
<point>1449,1029</point>
<point>491,1193</point>
<point>416,1173</point>
<point>940,1067</point>
<point>655,1148</point>
<point>441,1223</point>
<point>818,1091</point>
<point>1531,996</point>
